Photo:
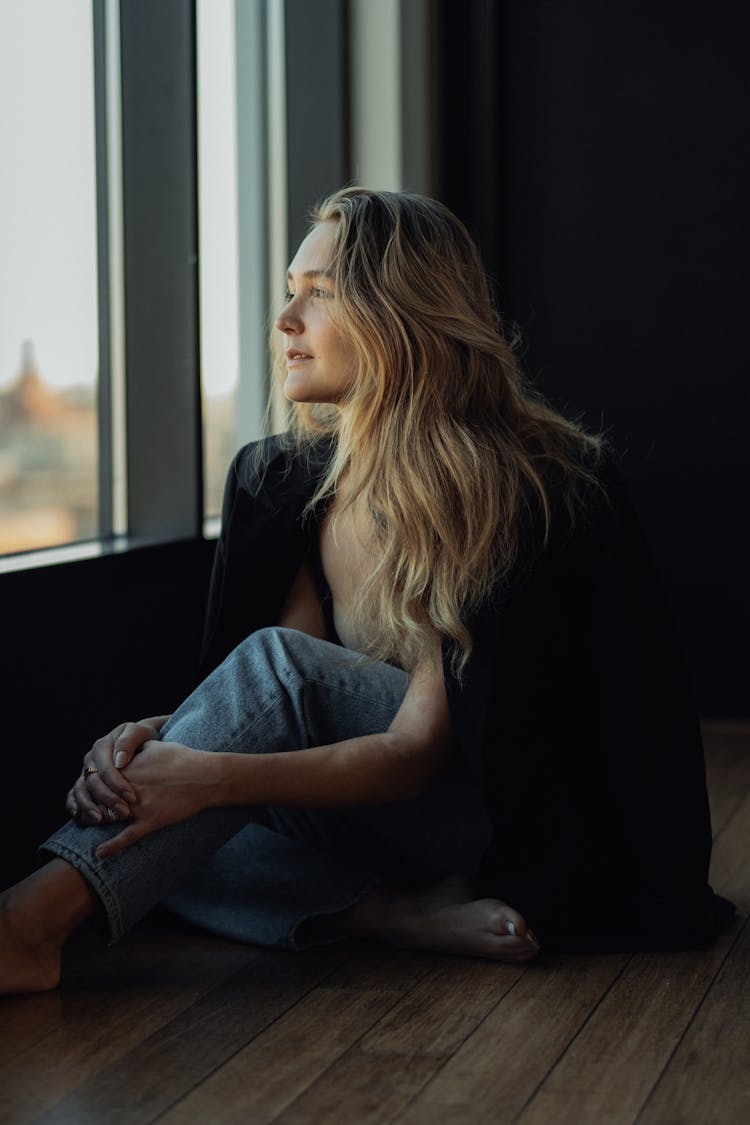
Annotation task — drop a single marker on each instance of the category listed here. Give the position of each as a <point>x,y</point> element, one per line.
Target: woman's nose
<point>288,320</point>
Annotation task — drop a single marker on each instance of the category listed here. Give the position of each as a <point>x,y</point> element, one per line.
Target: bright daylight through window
<point>48,302</point>
<point>217,180</point>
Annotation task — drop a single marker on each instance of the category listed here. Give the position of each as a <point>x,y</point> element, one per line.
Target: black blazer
<point>575,713</point>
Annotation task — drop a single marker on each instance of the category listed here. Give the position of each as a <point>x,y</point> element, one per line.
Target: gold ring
<point>89,770</point>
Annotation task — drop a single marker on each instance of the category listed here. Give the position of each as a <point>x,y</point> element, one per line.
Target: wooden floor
<point>174,1027</point>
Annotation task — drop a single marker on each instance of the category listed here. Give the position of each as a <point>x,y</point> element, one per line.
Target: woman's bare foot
<point>37,916</point>
<point>446,918</point>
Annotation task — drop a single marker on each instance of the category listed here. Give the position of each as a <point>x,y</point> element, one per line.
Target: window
<point>48,276</point>
<point>238,49</point>
<point>149,147</point>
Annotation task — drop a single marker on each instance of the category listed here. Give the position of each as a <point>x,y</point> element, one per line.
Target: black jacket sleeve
<point>263,540</point>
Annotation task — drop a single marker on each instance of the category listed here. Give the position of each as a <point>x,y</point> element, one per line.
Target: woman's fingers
<point>85,806</point>
<point>86,813</point>
<point>101,785</point>
<point>91,794</point>
<point>105,786</point>
<point>101,796</point>
<point>129,741</point>
<point>99,770</point>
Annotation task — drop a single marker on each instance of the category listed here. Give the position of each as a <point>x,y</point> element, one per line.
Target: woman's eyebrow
<point>312,274</point>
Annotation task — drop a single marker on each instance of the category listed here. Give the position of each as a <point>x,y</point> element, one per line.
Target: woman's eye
<point>315,291</point>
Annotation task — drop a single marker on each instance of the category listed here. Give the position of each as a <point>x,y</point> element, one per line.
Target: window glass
<point>48,299</point>
<point>217,180</point>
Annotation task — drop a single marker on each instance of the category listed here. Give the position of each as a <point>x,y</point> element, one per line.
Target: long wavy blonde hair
<point>441,439</point>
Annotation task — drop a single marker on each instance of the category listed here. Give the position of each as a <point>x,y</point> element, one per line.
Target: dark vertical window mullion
<point>254,296</point>
<point>104,383</point>
<point>160,231</point>
<point>317,98</point>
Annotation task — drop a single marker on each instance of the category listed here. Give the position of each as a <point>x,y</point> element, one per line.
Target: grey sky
<point>47,237</point>
<point>47,191</point>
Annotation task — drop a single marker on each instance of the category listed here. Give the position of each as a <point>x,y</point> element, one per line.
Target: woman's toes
<point>503,919</point>
<point>509,924</point>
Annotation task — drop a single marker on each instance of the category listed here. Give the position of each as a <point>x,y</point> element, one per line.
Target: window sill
<point>90,549</point>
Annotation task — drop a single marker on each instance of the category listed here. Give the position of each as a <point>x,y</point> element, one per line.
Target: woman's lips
<point>295,356</point>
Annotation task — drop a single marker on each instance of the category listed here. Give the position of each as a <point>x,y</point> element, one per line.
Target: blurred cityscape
<point>49,459</point>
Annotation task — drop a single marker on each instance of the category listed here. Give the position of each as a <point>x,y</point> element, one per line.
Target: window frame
<point>150,404</point>
<point>163,434</point>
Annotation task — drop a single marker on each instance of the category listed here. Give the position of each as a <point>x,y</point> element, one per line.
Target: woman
<point>426,510</point>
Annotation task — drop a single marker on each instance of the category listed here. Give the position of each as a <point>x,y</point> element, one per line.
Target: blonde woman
<point>388,742</point>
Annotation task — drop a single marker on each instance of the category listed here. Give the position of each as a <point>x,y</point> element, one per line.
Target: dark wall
<point>598,152</point>
<point>87,645</point>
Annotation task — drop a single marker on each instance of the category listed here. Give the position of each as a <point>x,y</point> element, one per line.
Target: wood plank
<point>378,1077</point>
<point>144,956</point>
<point>436,1017</point>
<point>120,996</point>
<point>708,1078</point>
<point>29,1019</point>
<point>612,1066</point>
<point>373,965</point>
<point>730,870</point>
<point>285,1059</point>
<point>734,728</point>
<point>26,1020</point>
<point>170,1061</point>
<point>364,1088</point>
<point>727,770</point>
<point>497,1068</point>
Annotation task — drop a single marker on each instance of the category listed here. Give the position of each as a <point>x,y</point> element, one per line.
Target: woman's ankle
<point>45,908</point>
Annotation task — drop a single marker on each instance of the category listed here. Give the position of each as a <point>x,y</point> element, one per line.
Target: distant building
<point>48,461</point>
<point>49,476</point>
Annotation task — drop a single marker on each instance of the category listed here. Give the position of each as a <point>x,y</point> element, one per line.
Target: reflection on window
<point>48,307</point>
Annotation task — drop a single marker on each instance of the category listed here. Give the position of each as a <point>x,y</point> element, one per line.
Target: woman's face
<point>319,357</point>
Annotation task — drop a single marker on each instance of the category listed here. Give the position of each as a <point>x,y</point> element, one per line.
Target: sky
<point>47,191</point>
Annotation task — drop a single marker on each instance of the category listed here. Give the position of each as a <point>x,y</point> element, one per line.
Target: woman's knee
<point>271,644</point>
<point>269,658</point>
<point>285,649</point>
<point>257,683</point>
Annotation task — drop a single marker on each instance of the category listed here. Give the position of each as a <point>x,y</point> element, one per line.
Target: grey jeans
<point>256,874</point>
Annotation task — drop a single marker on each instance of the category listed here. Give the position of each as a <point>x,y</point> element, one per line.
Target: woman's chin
<point>295,391</point>
<point>304,392</point>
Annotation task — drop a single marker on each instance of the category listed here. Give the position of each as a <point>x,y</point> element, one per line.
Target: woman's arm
<point>174,782</point>
<point>393,766</point>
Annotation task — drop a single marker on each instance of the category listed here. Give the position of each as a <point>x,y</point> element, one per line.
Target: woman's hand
<point>101,786</point>
<point>172,782</point>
